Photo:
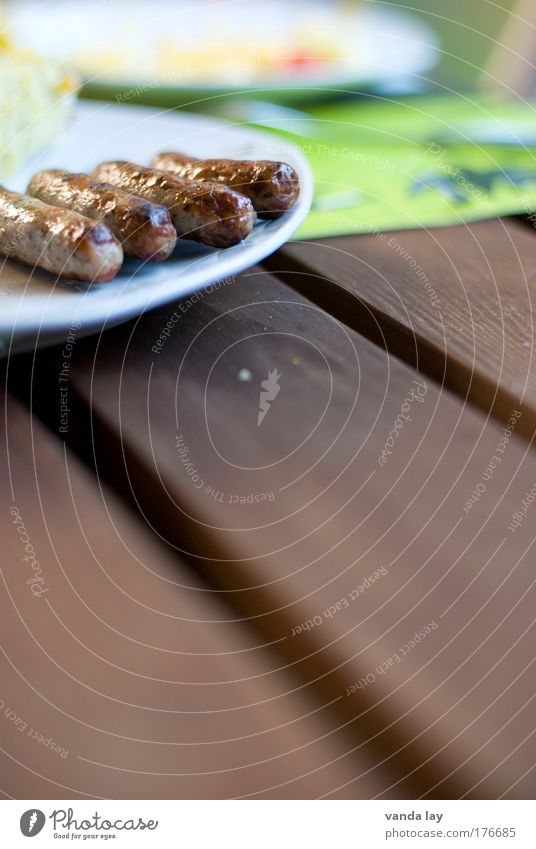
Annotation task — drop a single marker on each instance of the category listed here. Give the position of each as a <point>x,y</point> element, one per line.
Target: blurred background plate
<point>173,53</point>
<point>37,310</point>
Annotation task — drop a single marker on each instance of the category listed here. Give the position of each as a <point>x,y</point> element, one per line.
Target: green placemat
<point>420,162</point>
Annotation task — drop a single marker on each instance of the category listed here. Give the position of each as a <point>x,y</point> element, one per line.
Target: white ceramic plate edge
<point>29,316</point>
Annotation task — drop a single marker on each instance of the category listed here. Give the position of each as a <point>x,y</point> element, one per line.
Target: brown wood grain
<point>114,652</point>
<point>456,302</point>
<point>175,427</point>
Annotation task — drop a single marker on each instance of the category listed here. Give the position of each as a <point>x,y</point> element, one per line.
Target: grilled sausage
<point>272,187</point>
<point>205,212</point>
<point>63,242</point>
<point>144,229</point>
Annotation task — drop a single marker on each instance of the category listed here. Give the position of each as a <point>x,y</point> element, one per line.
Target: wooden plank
<point>456,302</point>
<point>122,674</point>
<point>296,518</point>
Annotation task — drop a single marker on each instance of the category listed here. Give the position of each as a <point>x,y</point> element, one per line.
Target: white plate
<point>36,309</point>
<point>188,50</point>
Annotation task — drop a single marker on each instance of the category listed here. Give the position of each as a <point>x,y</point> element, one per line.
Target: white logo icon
<point>271,391</point>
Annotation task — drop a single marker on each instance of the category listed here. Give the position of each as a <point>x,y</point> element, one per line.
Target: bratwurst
<point>205,212</point>
<point>144,229</point>
<point>272,187</point>
<point>62,242</point>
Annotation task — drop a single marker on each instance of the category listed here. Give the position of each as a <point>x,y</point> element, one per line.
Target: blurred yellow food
<point>36,99</point>
<point>217,50</point>
<point>176,42</point>
<point>231,60</point>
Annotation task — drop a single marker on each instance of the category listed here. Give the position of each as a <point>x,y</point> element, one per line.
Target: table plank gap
<point>122,677</point>
<point>456,303</point>
<point>398,584</point>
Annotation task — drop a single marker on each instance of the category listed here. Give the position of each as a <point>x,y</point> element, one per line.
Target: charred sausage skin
<point>272,187</point>
<point>205,212</point>
<point>60,241</point>
<point>143,228</point>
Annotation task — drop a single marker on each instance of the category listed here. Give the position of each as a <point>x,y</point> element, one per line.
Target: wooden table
<point>335,598</point>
